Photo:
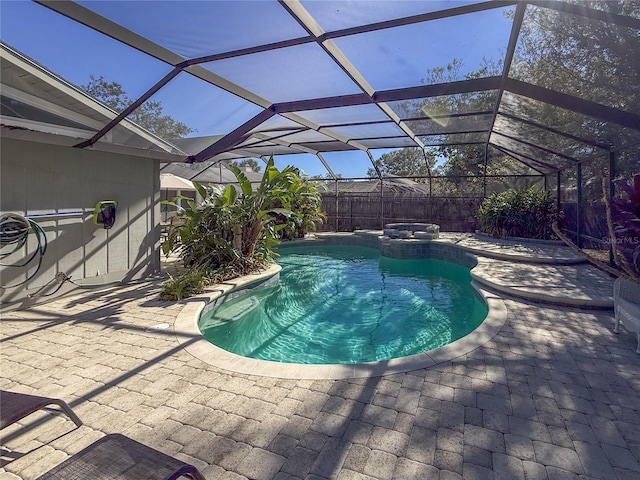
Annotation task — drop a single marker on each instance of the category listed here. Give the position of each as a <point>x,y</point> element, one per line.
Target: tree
<point>326,176</point>
<point>592,59</point>
<point>149,115</point>
<point>408,162</point>
<point>248,162</point>
<point>439,125</point>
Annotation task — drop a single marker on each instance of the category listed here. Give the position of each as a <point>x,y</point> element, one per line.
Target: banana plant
<point>260,207</point>
<point>240,225</point>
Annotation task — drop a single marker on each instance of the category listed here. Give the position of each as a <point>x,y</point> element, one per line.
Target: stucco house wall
<point>39,178</point>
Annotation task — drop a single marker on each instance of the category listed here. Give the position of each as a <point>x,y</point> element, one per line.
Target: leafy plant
<point>234,232</point>
<point>306,210</point>
<point>623,220</point>
<point>518,213</point>
<point>191,282</point>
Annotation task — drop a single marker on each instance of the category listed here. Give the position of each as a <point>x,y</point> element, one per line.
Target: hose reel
<point>14,233</point>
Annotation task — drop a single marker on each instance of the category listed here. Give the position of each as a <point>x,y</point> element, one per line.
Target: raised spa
<point>340,304</point>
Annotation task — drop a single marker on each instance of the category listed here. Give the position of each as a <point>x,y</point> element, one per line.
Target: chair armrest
<point>629,314</point>
<point>626,289</point>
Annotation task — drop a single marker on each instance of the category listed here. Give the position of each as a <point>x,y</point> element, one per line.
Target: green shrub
<point>190,282</point>
<point>518,213</point>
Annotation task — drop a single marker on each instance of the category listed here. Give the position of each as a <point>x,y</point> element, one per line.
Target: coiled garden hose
<point>14,232</point>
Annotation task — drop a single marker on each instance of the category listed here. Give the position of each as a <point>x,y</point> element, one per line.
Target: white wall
<point>38,178</point>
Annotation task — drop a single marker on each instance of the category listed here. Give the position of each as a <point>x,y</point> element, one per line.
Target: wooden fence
<point>351,211</point>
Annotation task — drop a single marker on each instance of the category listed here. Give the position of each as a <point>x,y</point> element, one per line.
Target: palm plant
<point>258,208</point>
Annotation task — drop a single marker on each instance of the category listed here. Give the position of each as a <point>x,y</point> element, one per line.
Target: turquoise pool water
<point>341,304</point>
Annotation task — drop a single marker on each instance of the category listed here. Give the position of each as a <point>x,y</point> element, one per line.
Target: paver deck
<point>555,394</point>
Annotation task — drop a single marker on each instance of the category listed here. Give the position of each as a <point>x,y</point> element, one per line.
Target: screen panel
<point>389,142</point>
<point>590,130</point>
<point>68,48</point>
<point>373,130</point>
<point>412,55</point>
<point>578,55</point>
<point>200,106</point>
<point>451,124</point>
<point>295,73</point>
<point>445,105</point>
<point>197,28</point>
<point>344,115</point>
<point>339,14</point>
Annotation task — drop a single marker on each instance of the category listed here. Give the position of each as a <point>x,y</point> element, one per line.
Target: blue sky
<point>387,59</point>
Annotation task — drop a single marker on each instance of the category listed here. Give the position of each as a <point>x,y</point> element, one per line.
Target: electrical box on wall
<point>105,213</point>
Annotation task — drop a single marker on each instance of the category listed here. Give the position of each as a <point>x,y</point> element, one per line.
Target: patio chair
<point>15,406</point>
<point>626,304</point>
<point>168,226</point>
<point>117,457</point>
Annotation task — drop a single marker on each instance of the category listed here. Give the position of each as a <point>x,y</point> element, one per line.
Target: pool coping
<point>190,338</point>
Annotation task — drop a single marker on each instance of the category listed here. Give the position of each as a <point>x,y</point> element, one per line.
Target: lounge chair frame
<point>16,406</point>
<point>117,457</point>
<point>626,300</point>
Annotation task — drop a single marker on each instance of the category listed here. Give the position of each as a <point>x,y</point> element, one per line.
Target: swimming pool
<point>340,304</point>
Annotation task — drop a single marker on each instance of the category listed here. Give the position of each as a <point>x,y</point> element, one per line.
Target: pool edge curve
<point>190,338</point>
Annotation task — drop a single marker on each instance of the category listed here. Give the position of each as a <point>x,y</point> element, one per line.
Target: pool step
<point>529,251</point>
<point>577,285</point>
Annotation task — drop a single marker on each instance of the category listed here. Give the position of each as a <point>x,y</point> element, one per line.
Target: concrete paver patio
<point>555,394</point>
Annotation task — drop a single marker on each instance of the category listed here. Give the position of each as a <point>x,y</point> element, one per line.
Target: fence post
<point>337,206</point>
<point>381,203</point>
